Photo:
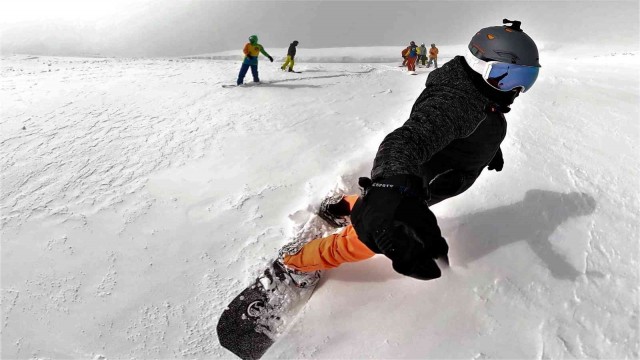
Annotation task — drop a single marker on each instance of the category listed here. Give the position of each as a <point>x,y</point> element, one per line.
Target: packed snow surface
<point>139,197</point>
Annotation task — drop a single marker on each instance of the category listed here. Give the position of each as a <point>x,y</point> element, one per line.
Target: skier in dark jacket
<point>291,54</point>
<point>454,131</point>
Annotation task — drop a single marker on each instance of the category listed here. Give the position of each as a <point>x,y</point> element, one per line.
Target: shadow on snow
<point>532,220</point>
<point>473,236</point>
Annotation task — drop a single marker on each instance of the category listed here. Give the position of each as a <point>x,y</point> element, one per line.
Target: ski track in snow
<point>139,196</point>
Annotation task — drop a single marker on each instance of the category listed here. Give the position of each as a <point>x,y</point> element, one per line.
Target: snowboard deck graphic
<point>262,312</point>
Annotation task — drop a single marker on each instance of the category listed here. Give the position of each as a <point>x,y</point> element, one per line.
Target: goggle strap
<point>478,65</point>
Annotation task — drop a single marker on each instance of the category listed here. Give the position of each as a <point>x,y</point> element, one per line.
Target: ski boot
<point>335,211</point>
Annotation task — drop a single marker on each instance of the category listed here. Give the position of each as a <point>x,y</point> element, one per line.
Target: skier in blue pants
<point>251,51</point>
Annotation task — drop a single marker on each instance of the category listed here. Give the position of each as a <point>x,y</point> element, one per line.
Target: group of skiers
<point>413,53</point>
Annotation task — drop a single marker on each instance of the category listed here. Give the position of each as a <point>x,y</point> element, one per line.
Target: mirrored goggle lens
<point>507,77</point>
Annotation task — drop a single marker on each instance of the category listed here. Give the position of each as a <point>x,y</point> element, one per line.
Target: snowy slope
<point>138,196</point>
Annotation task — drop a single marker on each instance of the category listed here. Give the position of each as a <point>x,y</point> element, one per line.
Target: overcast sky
<point>188,27</point>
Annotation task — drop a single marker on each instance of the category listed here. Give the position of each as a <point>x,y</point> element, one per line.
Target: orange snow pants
<point>331,251</point>
<point>411,63</point>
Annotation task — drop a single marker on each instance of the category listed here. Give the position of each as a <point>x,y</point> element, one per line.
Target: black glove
<point>270,58</point>
<point>392,218</point>
<point>497,162</point>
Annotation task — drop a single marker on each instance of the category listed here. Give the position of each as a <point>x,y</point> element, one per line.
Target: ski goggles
<point>504,76</point>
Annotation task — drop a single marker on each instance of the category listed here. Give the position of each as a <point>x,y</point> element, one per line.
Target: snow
<point>139,197</point>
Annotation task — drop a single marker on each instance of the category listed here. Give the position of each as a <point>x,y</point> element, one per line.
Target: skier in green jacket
<point>251,51</point>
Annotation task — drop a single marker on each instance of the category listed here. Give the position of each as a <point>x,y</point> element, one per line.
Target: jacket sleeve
<point>246,49</point>
<point>264,52</point>
<point>435,121</point>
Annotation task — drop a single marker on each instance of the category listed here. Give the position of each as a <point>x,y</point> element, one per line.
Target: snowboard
<point>244,85</point>
<point>254,319</point>
<point>262,312</point>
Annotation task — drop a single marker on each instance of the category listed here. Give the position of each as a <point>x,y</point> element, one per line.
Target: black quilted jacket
<point>454,130</point>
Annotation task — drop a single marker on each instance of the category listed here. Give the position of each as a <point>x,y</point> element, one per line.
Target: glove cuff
<point>407,185</point>
<point>412,182</point>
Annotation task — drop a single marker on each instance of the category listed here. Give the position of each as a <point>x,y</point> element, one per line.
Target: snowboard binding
<point>335,211</point>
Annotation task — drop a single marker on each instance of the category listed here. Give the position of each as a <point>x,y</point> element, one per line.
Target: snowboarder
<point>433,56</point>
<point>423,54</point>
<point>453,132</point>
<point>412,56</point>
<point>251,51</point>
<point>291,53</point>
